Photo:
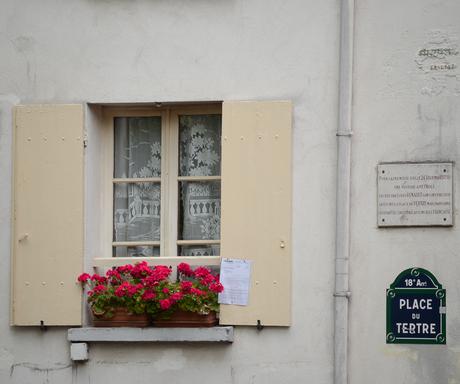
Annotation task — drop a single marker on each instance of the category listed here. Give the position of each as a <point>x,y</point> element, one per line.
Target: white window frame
<point>169,185</point>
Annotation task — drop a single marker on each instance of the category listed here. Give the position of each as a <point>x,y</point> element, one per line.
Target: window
<point>53,238</point>
<point>166,183</point>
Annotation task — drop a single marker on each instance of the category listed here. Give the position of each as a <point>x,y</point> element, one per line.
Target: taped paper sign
<point>235,276</point>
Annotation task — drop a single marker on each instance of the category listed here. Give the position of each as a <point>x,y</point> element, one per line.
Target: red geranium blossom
<point>198,292</point>
<point>202,272</point>
<point>83,277</point>
<point>99,288</point>
<point>160,272</point>
<point>185,269</point>
<point>141,270</point>
<point>147,295</point>
<point>98,278</point>
<point>176,296</point>
<point>125,268</point>
<point>185,286</point>
<point>216,287</point>
<point>165,304</point>
<point>208,279</point>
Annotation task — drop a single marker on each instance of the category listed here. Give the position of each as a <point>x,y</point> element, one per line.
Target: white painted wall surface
<point>403,111</point>
<point>158,50</point>
<point>154,50</point>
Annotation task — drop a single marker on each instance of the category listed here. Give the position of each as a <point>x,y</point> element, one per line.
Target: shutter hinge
<point>85,141</point>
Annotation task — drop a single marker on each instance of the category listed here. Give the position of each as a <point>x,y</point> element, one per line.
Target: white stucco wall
<point>157,50</point>
<point>403,111</point>
<point>145,51</point>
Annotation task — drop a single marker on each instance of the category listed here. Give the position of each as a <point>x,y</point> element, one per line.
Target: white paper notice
<point>235,276</point>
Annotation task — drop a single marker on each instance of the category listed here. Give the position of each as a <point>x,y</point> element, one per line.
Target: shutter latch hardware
<point>23,237</point>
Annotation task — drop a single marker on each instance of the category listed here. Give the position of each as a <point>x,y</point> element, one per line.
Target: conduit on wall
<point>344,134</point>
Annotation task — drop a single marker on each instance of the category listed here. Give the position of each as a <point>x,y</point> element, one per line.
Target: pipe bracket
<point>346,294</point>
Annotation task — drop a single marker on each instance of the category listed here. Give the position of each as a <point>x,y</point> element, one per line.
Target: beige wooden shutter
<point>256,206</point>
<point>47,239</point>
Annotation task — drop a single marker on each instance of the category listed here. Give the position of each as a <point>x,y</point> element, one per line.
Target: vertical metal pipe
<point>344,134</point>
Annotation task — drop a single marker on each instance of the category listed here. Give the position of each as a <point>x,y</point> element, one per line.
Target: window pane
<point>199,250</point>
<point>199,210</point>
<point>137,147</point>
<point>199,145</point>
<point>136,212</point>
<point>136,251</point>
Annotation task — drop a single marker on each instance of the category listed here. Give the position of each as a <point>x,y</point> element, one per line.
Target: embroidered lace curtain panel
<point>137,154</point>
<point>199,155</point>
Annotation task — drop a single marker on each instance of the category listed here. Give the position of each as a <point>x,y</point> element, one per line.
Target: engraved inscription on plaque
<point>438,63</point>
<point>414,194</point>
<point>439,58</point>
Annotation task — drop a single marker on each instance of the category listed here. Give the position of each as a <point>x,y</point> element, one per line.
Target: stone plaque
<point>416,309</point>
<point>414,194</point>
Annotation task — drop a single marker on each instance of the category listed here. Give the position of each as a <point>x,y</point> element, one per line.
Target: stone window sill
<point>80,337</point>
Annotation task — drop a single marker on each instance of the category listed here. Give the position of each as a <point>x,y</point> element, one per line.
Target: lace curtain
<point>137,154</point>
<point>199,155</point>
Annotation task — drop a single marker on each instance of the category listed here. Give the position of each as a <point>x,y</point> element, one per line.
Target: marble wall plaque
<point>414,194</point>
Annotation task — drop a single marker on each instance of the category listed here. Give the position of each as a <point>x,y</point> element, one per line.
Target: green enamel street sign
<point>416,309</point>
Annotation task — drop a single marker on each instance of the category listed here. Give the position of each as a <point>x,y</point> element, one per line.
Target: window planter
<point>130,295</point>
<point>179,319</point>
<point>121,318</point>
<point>187,320</point>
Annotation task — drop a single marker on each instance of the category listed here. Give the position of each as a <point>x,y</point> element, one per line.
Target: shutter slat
<point>48,214</point>
<point>256,207</point>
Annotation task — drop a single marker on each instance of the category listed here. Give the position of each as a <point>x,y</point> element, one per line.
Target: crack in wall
<point>38,368</point>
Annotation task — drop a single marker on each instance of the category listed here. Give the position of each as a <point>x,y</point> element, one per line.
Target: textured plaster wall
<point>166,50</point>
<point>403,111</point>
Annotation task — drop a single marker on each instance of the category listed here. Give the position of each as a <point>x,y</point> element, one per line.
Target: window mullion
<point>164,183</point>
<point>107,177</point>
<point>173,151</point>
